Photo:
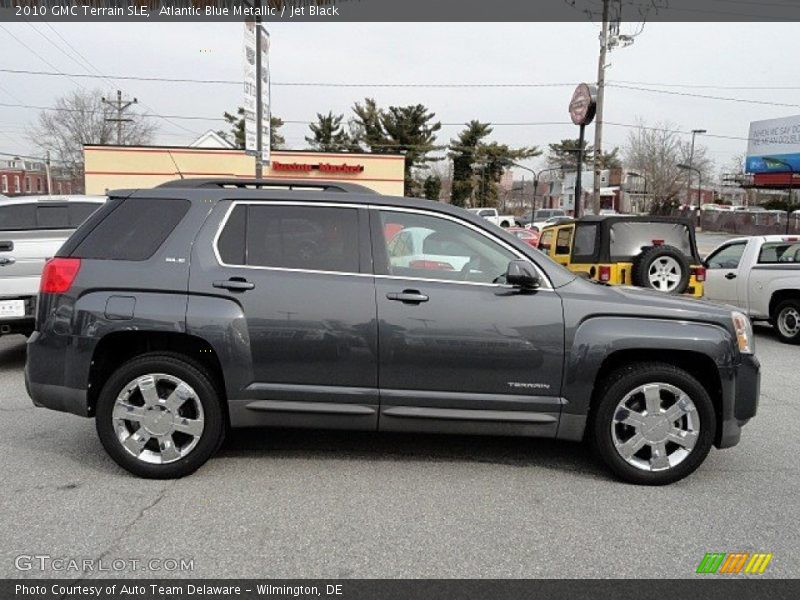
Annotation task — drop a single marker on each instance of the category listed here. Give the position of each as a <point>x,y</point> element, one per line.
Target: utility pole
<point>601,92</point>
<point>47,170</point>
<point>610,38</point>
<point>120,105</point>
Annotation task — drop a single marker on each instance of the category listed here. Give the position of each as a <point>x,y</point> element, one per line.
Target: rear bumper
<point>21,324</point>
<point>50,379</point>
<point>740,393</point>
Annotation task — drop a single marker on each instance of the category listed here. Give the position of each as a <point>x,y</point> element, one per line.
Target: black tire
<point>188,371</point>
<point>785,320</point>
<point>643,262</point>
<point>627,379</point>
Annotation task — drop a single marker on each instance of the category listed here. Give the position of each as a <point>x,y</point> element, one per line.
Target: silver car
<point>32,229</point>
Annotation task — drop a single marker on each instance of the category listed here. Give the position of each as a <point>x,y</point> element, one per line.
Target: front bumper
<point>741,387</point>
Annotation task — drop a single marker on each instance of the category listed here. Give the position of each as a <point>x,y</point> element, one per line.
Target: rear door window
<point>134,230</point>
<point>291,237</point>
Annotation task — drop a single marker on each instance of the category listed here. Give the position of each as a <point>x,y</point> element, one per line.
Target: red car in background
<point>529,236</point>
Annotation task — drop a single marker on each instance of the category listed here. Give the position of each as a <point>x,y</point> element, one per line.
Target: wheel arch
<point>699,365</point>
<point>118,347</point>
<point>599,346</point>
<point>779,296</point>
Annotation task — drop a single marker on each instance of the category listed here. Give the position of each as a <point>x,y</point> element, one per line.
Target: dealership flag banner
<point>250,90</point>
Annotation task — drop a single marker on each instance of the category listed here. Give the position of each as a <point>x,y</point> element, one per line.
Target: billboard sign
<point>776,139</point>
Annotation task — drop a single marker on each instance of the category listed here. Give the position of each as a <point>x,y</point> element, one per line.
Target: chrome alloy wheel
<point>788,322</point>
<point>664,274</point>
<point>655,427</point>
<point>158,418</point>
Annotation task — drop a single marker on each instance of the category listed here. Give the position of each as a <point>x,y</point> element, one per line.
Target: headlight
<point>744,333</point>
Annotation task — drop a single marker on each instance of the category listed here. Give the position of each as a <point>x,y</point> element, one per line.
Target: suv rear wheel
<point>654,424</point>
<point>159,416</point>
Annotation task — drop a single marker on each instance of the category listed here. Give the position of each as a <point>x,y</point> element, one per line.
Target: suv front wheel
<point>159,416</point>
<point>654,423</point>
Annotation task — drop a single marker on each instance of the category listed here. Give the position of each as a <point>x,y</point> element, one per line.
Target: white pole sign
<point>266,111</point>
<point>250,86</point>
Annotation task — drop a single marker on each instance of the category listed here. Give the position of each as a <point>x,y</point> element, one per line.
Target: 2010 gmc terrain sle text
<point>176,312</point>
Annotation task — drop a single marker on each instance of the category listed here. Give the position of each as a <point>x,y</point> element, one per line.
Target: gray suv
<point>176,313</point>
<point>32,229</point>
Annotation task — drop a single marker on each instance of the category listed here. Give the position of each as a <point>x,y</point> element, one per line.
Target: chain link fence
<point>745,222</point>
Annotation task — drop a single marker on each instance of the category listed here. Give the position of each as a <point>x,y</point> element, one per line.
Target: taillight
<point>658,242</point>
<point>431,265</point>
<point>604,273</point>
<point>58,275</point>
<point>699,274</point>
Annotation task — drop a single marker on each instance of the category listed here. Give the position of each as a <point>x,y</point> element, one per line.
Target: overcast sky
<point>665,56</point>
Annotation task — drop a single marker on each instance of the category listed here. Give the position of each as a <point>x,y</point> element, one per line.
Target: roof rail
<point>290,184</point>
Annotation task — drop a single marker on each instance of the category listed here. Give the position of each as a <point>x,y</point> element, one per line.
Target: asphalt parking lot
<point>312,504</point>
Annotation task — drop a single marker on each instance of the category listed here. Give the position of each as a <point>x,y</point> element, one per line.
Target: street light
<point>695,132</point>
<point>536,177</point>
<point>769,159</point>
<point>699,181</point>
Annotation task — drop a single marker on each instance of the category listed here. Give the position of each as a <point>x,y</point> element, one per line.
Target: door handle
<point>407,297</point>
<point>730,276</point>
<point>234,284</point>
<point>7,261</point>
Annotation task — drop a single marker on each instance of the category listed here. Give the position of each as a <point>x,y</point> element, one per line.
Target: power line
<point>704,96</point>
<point>91,67</point>
<point>287,83</point>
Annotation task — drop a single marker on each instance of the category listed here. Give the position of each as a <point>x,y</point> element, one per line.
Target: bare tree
<point>656,151</point>
<point>80,118</point>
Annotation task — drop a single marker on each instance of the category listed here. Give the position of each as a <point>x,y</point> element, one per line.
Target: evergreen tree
<point>329,134</point>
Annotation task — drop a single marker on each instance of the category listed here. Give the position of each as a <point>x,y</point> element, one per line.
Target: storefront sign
<point>582,107</point>
<point>328,168</point>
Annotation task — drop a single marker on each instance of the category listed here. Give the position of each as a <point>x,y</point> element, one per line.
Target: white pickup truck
<point>491,214</point>
<point>760,274</point>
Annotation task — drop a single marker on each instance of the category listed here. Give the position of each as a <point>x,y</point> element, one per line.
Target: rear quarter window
<point>134,230</point>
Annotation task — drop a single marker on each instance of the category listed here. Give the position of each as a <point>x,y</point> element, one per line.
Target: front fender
<point>596,339</point>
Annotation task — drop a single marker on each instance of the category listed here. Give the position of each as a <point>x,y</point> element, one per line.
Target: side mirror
<point>521,274</point>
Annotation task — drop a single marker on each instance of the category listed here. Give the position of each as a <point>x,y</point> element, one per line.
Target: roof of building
<point>211,139</point>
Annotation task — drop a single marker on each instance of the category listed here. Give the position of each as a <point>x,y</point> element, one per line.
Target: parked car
<point>760,275</point>
<point>176,312</point>
<point>547,216</point>
<point>529,236</point>
<point>32,228</point>
<point>659,253</point>
<point>491,215</point>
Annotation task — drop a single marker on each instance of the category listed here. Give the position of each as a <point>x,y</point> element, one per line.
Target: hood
<point>632,301</point>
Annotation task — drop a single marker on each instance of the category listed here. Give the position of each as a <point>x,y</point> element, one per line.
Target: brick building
<point>20,177</point>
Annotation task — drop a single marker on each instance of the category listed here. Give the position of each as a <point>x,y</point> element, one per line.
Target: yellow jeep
<point>651,252</point>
